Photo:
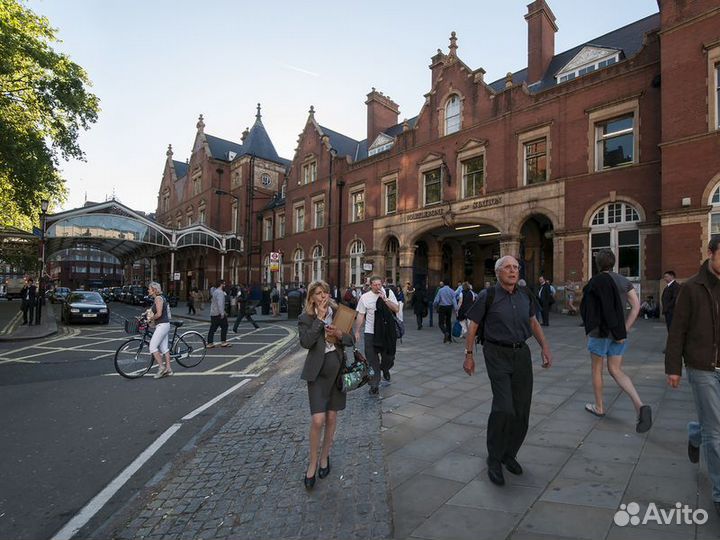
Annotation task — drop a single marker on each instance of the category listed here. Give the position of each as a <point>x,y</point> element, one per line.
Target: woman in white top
<point>159,312</point>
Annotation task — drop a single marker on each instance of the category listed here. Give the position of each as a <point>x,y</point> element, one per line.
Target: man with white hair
<point>504,318</point>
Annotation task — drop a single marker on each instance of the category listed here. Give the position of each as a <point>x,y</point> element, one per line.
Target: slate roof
<point>258,143</point>
<point>219,148</point>
<point>181,168</point>
<point>628,39</point>
<point>358,150</point>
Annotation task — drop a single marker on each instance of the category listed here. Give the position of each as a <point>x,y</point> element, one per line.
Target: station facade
<point>611,144</point>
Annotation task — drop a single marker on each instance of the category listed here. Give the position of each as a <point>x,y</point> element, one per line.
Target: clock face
<point>266,180</point>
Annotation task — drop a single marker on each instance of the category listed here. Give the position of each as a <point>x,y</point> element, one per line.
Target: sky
<point>157,64</point>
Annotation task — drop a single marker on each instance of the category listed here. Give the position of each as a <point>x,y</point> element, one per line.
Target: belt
<point>506,344</point>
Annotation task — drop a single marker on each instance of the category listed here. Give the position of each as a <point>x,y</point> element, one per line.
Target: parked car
<point>85,306</point>
<point>125,295</point>
<point>106,294</point>
<point>59,295</point>
<point>116,293</point>
<point>137,295</point>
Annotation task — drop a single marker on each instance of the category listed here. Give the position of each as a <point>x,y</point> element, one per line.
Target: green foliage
<point>44,104</point>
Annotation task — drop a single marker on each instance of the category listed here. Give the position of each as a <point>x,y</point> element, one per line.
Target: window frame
<point>455,118</point>
<point>317,262</point>
<point>280,227</point>
<point>713,78</point>
<point>298,265</point>
<point>296,217</point>
<point>604,114</point>
<point>316,202</point>
<point>355,262</point>
<point>613,230</point>
<point>309,172</point>
<point>386,183</point>
<point>464,174</point>
<point>354,217</point>
<point>267,229</point>
<point>424,175</point>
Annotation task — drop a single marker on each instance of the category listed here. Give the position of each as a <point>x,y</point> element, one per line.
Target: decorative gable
<point>588,59</point>
<point>381,143</point>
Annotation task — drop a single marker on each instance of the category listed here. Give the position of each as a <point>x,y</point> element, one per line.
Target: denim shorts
<point>605,346</point>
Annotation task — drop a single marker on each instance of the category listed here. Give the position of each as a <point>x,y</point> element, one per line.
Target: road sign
<point>176,276</point>
<point>274,256</point>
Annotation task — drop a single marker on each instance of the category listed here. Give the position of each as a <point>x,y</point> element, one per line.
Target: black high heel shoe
<point>310,481</point>
<point>324,471</point>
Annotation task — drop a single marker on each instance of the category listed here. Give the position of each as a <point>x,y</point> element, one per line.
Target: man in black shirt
<point>507,324</point>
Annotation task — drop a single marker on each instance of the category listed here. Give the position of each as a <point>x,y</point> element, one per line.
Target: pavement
<point>12,328</point>
<point>411,463</point>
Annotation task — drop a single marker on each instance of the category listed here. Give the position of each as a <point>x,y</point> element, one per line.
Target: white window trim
<point>614,229</point>
<point>601,115</point>
<point>385,182</point>
<point>356,258</point>
<point>351,214</point>
<point>713,76</point>
<point>430,166</point>
<point>299,265</point>
<point>575,73</point>
<point>267,231</point>
<point>296,207</point>
<point>317,262</point>
<point>459,114</point>
<point>308,167</point>
<point>542,132</point>
<point>314,202</point>
<point>280,218</point>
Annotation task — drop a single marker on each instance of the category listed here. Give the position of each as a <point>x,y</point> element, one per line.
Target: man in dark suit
<point>545,296</point>
<point>669,296</point>
<point>28,298</point>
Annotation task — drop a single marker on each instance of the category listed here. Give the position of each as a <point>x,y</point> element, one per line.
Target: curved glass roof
<point>108,227</point>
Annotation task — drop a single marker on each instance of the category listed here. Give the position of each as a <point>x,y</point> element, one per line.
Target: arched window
<point>298,258</point>
<point>392,260</point>
<point>614,227</point>
<point>452,114</point>
<point>715,212</point>
<point>357,249</point>
<point>317,262</point>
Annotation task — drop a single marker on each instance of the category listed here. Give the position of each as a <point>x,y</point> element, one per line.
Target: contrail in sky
<point>301,70</point>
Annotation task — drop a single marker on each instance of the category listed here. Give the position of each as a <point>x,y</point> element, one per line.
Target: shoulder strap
<point>489,299</point>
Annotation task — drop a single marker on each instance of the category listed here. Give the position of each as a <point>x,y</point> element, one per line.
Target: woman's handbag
<point>354,373</point>
<point>457,329</point>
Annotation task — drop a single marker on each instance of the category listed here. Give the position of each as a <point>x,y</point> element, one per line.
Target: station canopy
<point>129,235</point>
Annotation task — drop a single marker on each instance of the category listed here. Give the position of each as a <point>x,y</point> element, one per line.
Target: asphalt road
<point>70,424</point>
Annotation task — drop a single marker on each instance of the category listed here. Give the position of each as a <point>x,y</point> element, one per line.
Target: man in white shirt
<point>366,308</point>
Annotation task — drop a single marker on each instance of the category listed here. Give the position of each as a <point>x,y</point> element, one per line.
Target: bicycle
<point>132,362</point>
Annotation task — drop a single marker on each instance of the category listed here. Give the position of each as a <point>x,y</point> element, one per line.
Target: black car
<point>116,293</point>
<point>86,306</point>
<point>137,295</point>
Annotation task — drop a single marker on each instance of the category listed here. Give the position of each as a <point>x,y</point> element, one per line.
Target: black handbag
<point>354,373</point>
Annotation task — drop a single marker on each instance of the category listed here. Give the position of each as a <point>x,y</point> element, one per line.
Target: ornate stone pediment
<point>588,55</point>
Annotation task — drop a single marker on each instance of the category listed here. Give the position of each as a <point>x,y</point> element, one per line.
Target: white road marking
<point>10,326</point>
<point>214,400</point>
<point>234,374</point>
<point>97,502</point>
<point>12,360</point>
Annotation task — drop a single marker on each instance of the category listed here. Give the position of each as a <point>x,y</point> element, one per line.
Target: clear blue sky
<point>157,64</point>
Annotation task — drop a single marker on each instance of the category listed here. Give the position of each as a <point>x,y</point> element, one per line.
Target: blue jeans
<point>706,392</point>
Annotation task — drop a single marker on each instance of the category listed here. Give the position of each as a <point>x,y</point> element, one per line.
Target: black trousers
<point>28,311</point>
<point>215,322</point>
<point>377,359</point>
<point>242,312</point>
<point>545,312</point>
<point>191,308</point>
<point>668,319</point>
<point>445,319</point>
<point>419,318</point>
<point>511,380</point>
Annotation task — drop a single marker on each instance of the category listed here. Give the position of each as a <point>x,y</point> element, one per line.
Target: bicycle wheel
<point>189,349</point>
<point>132,360</point>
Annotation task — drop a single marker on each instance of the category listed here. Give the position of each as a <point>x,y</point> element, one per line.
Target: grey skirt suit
<point>321,369</point>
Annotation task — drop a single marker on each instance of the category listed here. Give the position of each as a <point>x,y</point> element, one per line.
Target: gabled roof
<point>181,168</point>
<point>345,146</point>
<point>220,148</point>
<point>258,143</point>
<point>628,39</point>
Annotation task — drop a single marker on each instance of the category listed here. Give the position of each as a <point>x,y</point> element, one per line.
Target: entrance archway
<point>536,249</point>
<point>462,252</point>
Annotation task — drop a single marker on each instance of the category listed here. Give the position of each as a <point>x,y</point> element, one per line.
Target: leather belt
<point>506,344</point>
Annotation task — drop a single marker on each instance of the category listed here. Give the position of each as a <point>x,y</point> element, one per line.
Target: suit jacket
<point>546,297</point>
<point>24,293</point>
<point>312,337</point>
<point>602,308</point>
<point>669,297</point>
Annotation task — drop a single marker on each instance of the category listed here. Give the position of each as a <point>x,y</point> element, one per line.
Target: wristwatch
<point>468,352</point>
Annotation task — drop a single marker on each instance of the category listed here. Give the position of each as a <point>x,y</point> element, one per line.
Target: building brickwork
<point>611,144</point>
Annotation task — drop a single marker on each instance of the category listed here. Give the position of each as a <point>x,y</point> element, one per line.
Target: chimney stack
<point>382,113</point>
<point>541,39</point>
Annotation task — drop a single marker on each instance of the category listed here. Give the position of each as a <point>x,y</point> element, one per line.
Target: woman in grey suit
<point>322,366</point>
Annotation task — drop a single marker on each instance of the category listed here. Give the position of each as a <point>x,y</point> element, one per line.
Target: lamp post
<point>340,185</point>
<point>236,225</point>
<point>41,289</point>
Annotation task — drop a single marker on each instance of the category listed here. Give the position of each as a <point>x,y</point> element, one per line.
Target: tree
<point>44,104</point>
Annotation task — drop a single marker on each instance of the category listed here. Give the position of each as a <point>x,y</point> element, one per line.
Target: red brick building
<point>613,143</point>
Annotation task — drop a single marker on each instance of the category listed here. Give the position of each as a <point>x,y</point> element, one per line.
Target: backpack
<point>489,299</point>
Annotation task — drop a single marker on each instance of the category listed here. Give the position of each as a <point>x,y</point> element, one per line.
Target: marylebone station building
<point>614,143</point>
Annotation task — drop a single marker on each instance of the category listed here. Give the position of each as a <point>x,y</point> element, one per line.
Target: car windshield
<point>80,297</point>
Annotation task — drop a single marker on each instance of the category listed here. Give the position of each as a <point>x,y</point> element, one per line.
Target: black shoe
<point>495,473</point>
<point>310,482</point>
<point>324,471</point>
<point>512,465</point>
<point>386,374</point>
<point>694,454</point>
<point>374,390</point>
<point>644,422</point>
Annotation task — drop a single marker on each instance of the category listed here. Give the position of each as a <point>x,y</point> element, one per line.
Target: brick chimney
<point>382,113</point>
<point>541,39</point>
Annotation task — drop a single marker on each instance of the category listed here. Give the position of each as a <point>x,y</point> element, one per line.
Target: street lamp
<point>44,204</point>
<point>237,207</point>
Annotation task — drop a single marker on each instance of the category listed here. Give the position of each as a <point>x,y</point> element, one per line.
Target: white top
<point>366,305</point>
<point>328,320</point>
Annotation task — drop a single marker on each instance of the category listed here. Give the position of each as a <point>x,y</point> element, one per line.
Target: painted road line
<point>77,348</point>
<point>261,364</point>
<point>92,508</point>
<point>274,347</point>
<point>240,357</point>
<point>10,326</point>
<point>214,400</point>
<point>233,374</point>
<point>12,360</point>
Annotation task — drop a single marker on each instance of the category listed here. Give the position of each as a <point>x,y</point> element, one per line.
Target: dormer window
<point>452,115</point>
<point>382,143</point>
<point>589,59</point>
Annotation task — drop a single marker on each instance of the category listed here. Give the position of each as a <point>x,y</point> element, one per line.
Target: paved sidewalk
<point>14,330</point>
<point>427,477</point>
